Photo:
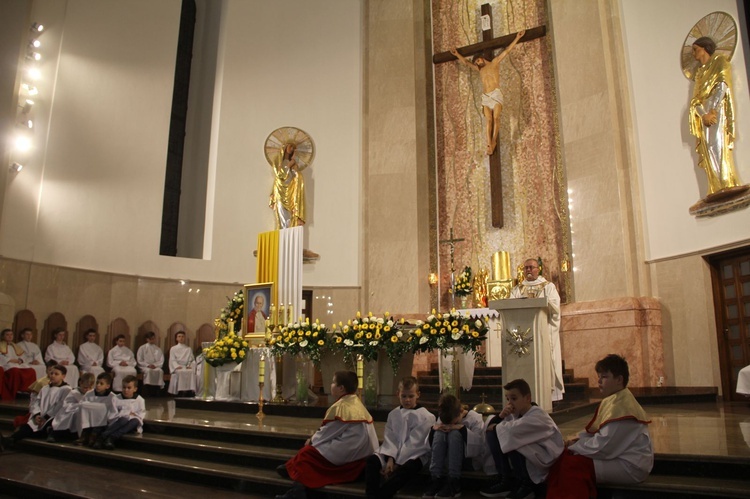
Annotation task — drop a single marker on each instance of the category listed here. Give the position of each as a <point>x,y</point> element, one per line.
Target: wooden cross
<point>486,47</point>
<point>452,241</point>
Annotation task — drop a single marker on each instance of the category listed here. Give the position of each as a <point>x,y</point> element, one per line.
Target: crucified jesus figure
<point>492,97</point>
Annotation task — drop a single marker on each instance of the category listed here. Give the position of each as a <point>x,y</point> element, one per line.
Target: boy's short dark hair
<point>117,338</point>
<point>51,362</point>
<point>408,382</point>
<point>449,408</point>
<point>346,379</point>
<point>61,368</point>
<point>615,364</point>
<point>105,376</point>
<point>130,379</point>
<point>89,331</point>
<point>150,334</point>
<point>519,384</point>
<point>179,333</point>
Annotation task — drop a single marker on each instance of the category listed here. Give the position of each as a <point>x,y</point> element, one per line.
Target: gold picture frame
<point>255,329</point>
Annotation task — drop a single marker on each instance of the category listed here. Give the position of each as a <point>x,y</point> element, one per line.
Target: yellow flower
<point>377,336</point>
<point>338,339</point>
<point>358,336</point>
<point>321,342</point>
<point>387,328</point>
<point>454,323</point>
<point>315,334</point>
<point>358,314</point>
<point>236,344</point>
<point>307,333</point>
<point>475,334</point>
<point>234,355</point>
<point>244,344</point>
<point>368,336</point>
<point>418,333</point>
<point>242,354</point>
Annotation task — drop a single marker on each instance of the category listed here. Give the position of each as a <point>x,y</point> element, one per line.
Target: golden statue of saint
<point>711,116</point>
<point>288,192</point>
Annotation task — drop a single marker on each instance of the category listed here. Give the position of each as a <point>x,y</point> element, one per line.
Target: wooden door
<point>731,274</point>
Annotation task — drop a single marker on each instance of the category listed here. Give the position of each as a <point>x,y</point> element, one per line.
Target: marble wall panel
<point>630,327</point>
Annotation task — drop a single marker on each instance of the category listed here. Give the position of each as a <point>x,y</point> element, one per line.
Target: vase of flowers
<point>462,288</point>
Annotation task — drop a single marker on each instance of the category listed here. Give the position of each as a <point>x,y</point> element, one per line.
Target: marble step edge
<point>694,486</point>
<point>151,440</point>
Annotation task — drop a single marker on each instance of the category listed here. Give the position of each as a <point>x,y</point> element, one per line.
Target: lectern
<point>526,345</point>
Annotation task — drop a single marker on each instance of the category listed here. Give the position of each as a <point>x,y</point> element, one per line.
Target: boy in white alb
<point>91,355</point>
<point>524,442</point>
<point>97,410</point>
<point>405,448</point>
<point>150,360</point>
<point>131,409</point>
<point>615,448</point>
<point>122,361</point>
<point>65,421</point>
<point>45,407</point>
<point>32,355</point>
<point>182,367</point>
<point>61,353</point>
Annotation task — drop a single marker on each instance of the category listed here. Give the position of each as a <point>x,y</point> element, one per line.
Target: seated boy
<point>405,448</point>
<point>524,442</point>
<point>615,447</point>
<point>97,409</point>
<point>44,407</point>
<point>150,360</point>
<point>90,355</point>
<point>457,434</point>
<point>122,361</point>
<point>131,408</point>
<point>337,452</point>
<point>64,422</point>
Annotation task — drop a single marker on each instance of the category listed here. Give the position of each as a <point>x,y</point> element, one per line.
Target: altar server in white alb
<point>524,442</point>
<point>536,286</point>
<point>91,355</point>
<point>122,361</point>
<point>131,409</point>
<point>181,367</point>
<point>615,448</point>
<point>150,360</point>
<point>32,355</point>
<point>405,448</point>
<point>743,381</point>
<point>44,408</point>
<point>66,420</point>
<point>61,353</point>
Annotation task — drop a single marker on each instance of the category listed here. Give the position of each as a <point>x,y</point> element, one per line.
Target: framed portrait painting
<point>257,308</point>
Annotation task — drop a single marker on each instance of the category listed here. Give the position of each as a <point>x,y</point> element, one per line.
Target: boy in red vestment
<point>338,451</point>
<point>615,447</point>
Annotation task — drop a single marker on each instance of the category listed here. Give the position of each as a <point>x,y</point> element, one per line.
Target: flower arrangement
<point>463,286</point>
<point>301,337</point>
<point>229,348</point>
<point>232,312</point>
<point>366,336</point>
<point>452,329</point>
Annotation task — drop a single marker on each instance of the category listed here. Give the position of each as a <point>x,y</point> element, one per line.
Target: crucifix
<point>485,49</point>
<point>452,241</point>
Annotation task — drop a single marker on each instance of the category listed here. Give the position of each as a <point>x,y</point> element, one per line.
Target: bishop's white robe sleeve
<point>342,443</point>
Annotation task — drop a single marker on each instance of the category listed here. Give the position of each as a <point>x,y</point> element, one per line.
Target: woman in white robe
<point>32,355</point>
<point>122,361</point>
<point>61,353</point>
<point>150,360</point>
<point>91,355</point>
<point>182,366</point>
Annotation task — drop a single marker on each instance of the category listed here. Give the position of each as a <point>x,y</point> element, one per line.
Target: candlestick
<point>230,326</point>
<point>290,310</point>
<point>272,310</point>
<point>262,369</point>
<point>360,370</point>
<point>281,315</point>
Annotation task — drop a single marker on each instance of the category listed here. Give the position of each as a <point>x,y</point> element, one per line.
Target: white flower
<point>346,329</point>
<point>456,336</point>
<point>223,316</point>
<point>399,334</point>
<point>365,320</point>
<point>389,323</point>
<point>296,325</point>
<point>423,340</point>
<point>478,324</point>
<point>322,326</point>
<point>303,343</point>
<point>430,318</point>
<point>419,323</point>
<point>355,322</point>
<point>374,343</point>
<point>348,343</point>
<point>380,321</point>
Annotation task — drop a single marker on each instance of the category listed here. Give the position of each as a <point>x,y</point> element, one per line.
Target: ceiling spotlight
<point>22,143</point>
<point>38,28</point>
<point>28,123</point>
<point>16,167</point>
<point>34,56</point>
<point>32,90</point>
<point>26,106</point>
<point>34,73</point>
<point>36,43</point>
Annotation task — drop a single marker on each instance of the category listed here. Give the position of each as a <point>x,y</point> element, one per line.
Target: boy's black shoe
<point>281,470</point>
<point>452,488</point>
<point>98,445</point>
<point>500,489</point>
<point>436,485</point>
<point>296,492</point>
<point>522,492</point>
<point>109,444</point>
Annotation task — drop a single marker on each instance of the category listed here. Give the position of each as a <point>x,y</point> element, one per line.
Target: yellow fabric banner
<point>268,261</point>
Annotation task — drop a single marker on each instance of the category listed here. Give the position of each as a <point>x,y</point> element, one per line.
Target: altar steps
<point>243,459</point>
<point>488,382</point>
